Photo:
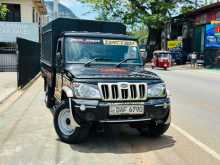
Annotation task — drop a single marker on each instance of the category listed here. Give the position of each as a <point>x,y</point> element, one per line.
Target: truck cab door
<point>59,63</point>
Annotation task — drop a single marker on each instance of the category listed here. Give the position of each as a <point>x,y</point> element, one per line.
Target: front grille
<point>123,91</point>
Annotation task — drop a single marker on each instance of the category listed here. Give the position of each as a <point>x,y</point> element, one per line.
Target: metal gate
<point>8,60</point>
<point>28,60</point>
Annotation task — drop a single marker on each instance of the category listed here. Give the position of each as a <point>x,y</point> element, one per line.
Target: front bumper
<point>98,111</point>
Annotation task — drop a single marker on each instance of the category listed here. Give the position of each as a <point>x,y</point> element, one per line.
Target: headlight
<point>157,90</point>
<point>86,91</point>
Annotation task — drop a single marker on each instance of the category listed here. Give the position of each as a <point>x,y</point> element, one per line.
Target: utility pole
<point>55,9</point>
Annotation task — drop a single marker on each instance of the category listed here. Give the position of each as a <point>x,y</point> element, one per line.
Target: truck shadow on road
<point>122,140</point>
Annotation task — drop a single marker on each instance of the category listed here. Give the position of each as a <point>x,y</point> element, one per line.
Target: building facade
<point>207,33</point>
<point>199,32</point>
<point>24,19</point>
<point>179,33</point>
<point>26,11</point>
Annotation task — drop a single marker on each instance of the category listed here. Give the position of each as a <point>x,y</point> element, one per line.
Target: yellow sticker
<point>120,42</point>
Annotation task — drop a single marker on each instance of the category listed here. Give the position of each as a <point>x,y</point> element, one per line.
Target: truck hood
<point>79,71</point>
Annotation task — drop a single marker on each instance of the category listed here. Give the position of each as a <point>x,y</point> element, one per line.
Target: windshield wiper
<point>126,59</point>
<point>95,59</point>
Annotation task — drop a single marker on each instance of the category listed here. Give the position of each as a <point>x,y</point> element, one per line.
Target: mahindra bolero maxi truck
<point>93,74</point>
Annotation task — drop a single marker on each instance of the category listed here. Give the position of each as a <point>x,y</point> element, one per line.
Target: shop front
<point>207,34</point>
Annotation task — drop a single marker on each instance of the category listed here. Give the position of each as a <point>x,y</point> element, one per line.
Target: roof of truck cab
<point>99,35</point>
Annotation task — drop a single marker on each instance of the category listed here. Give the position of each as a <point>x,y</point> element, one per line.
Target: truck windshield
<point>83,50</point>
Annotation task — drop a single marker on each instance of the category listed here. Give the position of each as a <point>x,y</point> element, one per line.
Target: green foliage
<point>141,35</point>
<point>187,9</point>
<point>108,9</point>
<point>152,13</point>
<point>140,32</point>
<point>3,12</point>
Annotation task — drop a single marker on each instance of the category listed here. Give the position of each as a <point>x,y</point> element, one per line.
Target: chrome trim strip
<point>86,102</point>
<point>124,121</point>
<point>87,106</point>
<point>159,105</point>
<point>120,98</point>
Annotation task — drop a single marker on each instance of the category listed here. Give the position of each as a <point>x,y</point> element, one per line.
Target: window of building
<point>14,14</point>
<point>33,14</point>
<point>37,17</point>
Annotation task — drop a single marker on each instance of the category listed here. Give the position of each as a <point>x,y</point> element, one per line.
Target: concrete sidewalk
<point>8,84</point>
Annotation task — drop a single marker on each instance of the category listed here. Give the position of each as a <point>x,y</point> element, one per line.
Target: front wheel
<point>65,129</point>
<point>153,130</point>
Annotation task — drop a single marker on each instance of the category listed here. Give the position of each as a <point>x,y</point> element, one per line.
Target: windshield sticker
<point>85,41</point>
<point>120,42</point>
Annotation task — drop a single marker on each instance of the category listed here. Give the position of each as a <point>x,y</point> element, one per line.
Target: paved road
<point>196,103</point>
<point>27,135</point>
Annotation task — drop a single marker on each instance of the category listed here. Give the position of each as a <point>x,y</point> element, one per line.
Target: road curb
<point>22,90</point>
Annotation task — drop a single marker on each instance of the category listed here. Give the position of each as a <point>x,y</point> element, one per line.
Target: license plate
<point>126,110</point>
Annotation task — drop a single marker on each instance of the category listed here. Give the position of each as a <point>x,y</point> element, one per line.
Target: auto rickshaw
<point>161,59</point>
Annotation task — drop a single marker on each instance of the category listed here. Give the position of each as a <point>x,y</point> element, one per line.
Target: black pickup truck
<point>94,75</point>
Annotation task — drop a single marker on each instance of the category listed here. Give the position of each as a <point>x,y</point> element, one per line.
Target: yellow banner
<point>120,42</point>
<point>174,44</point>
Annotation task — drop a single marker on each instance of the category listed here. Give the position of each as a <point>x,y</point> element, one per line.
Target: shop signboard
<point>174,44</point>
<point>212,36</point>
<point>206,18</point>
<point>210,17</point>
<point>201,19</point>
<point>9,31</point>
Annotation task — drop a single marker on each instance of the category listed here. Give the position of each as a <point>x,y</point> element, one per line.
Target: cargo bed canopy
<point>54,29</point>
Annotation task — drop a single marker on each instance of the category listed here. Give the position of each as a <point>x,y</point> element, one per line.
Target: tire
<point>153,130</point>
<point>165,68</point>
<point>62,125</point>
<point>48,97</point>
<point>178,62</point>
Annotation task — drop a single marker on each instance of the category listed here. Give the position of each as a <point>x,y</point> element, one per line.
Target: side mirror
<point>58,59</point>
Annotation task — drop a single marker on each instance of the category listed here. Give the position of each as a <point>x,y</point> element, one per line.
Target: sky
<point>79,9</point>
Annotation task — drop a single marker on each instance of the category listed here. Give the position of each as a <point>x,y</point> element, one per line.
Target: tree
<point>3,12</point>
<point>141,33</point>
<point>190,7</point>
<point>150,13</point>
